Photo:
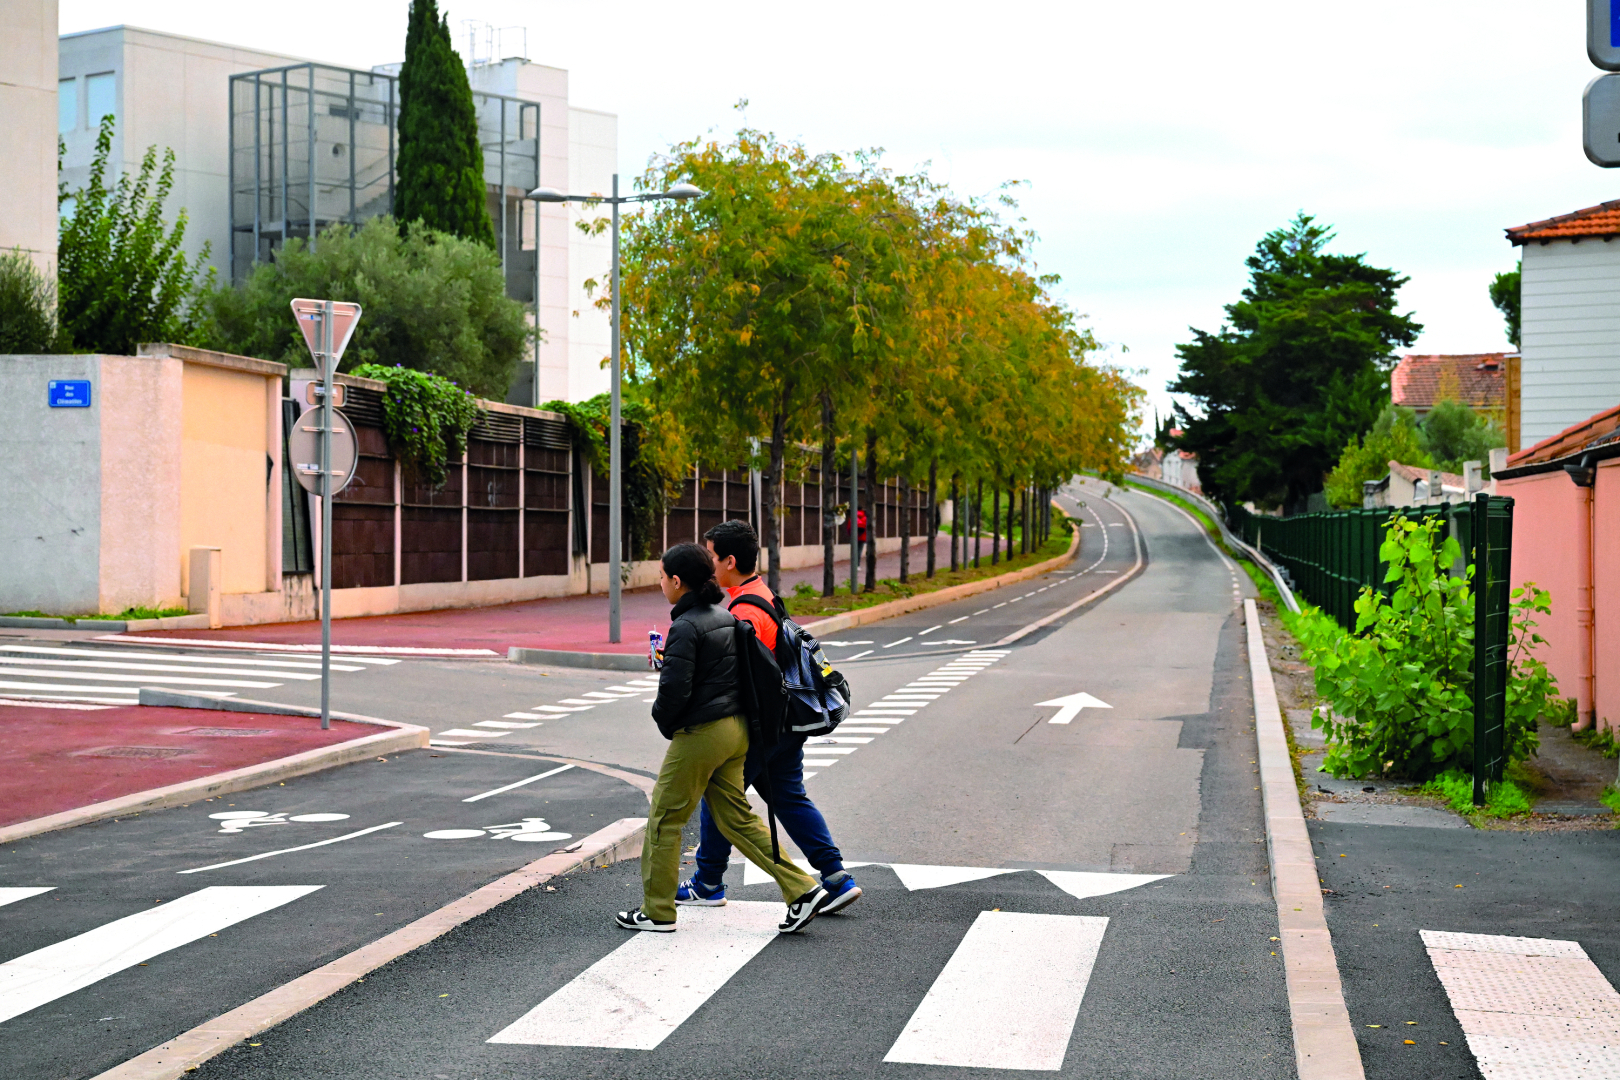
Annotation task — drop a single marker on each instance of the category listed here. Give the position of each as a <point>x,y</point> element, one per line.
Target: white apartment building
<point>28,103</point>
<point>268,145</point>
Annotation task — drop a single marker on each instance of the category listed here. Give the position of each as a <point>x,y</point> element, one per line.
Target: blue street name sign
<point>70,393</point>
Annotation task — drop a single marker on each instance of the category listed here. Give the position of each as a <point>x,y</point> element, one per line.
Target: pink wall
<point>1607,562</point>
<point>1549,531</point>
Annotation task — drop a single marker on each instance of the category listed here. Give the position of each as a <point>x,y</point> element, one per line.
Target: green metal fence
<point>1331,556</point>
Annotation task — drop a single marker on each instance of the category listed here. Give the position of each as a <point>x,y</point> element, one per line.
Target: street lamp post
<point>615,474</point>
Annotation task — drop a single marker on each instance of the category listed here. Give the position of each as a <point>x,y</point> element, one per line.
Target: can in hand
<point>655,649</point>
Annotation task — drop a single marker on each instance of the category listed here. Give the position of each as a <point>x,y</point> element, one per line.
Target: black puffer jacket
<point>698,682</point>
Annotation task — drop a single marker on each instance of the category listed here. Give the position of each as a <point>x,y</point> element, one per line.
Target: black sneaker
<point>635,920</point>
<point>801,911</point>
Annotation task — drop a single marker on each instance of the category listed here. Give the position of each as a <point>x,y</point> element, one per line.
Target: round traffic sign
<point>304,451</point>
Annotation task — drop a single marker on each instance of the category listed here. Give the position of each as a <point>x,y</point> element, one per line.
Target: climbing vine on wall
<point>426,418</point>
<point>645,485</point>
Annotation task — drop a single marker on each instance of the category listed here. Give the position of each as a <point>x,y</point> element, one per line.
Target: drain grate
<point>149,752</point>
<point>225,731</point>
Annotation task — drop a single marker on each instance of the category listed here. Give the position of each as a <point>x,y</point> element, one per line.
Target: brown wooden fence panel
<point>363,513</point>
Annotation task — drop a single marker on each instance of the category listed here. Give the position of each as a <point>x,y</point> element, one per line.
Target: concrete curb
<point>399,737</point>
<point>1095,594</point>
<point>1324,1042</point>
<point>172,622</point>
<point>601,661</point>
<point>618,841</point>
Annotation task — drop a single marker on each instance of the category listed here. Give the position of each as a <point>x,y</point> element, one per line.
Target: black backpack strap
<point>770,609</point>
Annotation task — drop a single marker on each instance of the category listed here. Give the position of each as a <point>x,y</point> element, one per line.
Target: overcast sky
<point>1159,141</point>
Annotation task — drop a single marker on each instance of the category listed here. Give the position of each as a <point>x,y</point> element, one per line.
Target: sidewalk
<point>571,623</point>
<point>57,758</point>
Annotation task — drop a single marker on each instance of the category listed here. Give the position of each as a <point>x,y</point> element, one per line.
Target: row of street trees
<point>821,299</point>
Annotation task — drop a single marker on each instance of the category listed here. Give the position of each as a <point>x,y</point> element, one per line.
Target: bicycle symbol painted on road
<point>529,830</point>
<point>235,821</point>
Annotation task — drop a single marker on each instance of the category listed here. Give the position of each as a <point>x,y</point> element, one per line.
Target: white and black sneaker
<point>635,920</point>
<point>802,910</point>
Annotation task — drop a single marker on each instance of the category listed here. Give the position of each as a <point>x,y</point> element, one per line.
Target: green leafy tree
<point>1300,368</point>
<point>1505,295</point>
<point>1453,433</point>
<point>440,166</point>
<point>122,276</point>
<point>433,302</point>
<point>1395,436</point>
<point>27,307</point>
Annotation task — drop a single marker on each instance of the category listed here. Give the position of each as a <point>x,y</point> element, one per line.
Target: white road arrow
<point>1069,707</point>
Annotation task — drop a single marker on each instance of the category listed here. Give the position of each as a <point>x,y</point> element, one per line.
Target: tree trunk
<point>871,511</point>
<point>978,511</point>
<point>768,489</point>
<point>956,525</point>
<point>829,492</point>
<point>933,513</point>
<point>995,524</point>
<point>905,528</point>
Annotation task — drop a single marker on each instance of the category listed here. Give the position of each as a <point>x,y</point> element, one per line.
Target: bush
<point>1504,799</point>
<point>27,307</point>
<point>432,302</point>
<point>1394,437</point>
<point>1402,684</point>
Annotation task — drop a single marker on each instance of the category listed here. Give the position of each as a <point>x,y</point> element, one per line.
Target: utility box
<point>207,572</point>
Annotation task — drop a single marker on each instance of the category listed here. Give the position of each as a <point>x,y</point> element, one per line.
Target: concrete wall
<point>1606,592</point>
<point>171,91</point>
<point>140,483</point>
<point>226,456</point>
<point>1570,335</point>
<point>50,488</point>
<point>28,77</point>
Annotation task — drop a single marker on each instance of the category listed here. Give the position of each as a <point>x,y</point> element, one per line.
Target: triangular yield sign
<point>345,316</point>
<point>1081,884</point>
<point>914,876</point>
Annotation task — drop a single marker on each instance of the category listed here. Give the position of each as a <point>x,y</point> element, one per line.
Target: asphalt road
<point>1105,877</point>
<point>1390,882</point>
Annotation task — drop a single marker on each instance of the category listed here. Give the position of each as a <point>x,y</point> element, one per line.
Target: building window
<point>100,98</point>
<point>67,105</point>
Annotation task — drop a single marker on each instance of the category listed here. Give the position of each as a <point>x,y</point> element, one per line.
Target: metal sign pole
<point>326,514</point>
<point>615,469</point>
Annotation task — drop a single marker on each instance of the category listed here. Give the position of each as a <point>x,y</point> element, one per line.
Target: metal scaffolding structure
<point>314,145</point>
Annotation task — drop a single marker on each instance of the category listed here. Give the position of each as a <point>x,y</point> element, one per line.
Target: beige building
<point>168,90</point>
<point>29,104</point>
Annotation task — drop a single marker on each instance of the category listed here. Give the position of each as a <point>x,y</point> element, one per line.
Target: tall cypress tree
<point>441,167</point>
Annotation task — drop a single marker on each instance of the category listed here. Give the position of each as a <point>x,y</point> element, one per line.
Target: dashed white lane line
<point>468,733</point>
<point>517,784</point>
<point>892,644</point>
<point>858,655</point>
<point>930,630</point>
<point>514,726</point>
<point>964,618</point>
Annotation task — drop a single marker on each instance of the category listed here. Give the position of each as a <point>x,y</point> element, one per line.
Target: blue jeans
<point>778,776</point>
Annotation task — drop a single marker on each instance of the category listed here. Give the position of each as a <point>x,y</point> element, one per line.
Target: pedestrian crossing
<point>1007,997</point>
<point>46,974</point>
<point>536,715</point>
<point>880,717</point>
<point>97,677</point>
<point>1529,1007</point>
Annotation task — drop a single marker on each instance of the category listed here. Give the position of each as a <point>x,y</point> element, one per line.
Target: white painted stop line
<point>1009,997</point>
<point>637,995</point>
<point>44,975</point>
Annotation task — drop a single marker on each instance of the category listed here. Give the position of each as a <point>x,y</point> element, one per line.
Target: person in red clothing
<point>778,773</point>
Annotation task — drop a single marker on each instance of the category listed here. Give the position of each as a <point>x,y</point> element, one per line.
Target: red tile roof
<point>1600,429</point>
<point>1412,474</point>
<point>1600,220</point>
<point>1475,379</point>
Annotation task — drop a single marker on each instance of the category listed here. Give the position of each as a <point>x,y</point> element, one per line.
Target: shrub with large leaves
<point>1401,687</point>
<point>425,417</point>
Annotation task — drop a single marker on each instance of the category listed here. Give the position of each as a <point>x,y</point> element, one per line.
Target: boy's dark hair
<point>735,538</point>
<point>695,567</point>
